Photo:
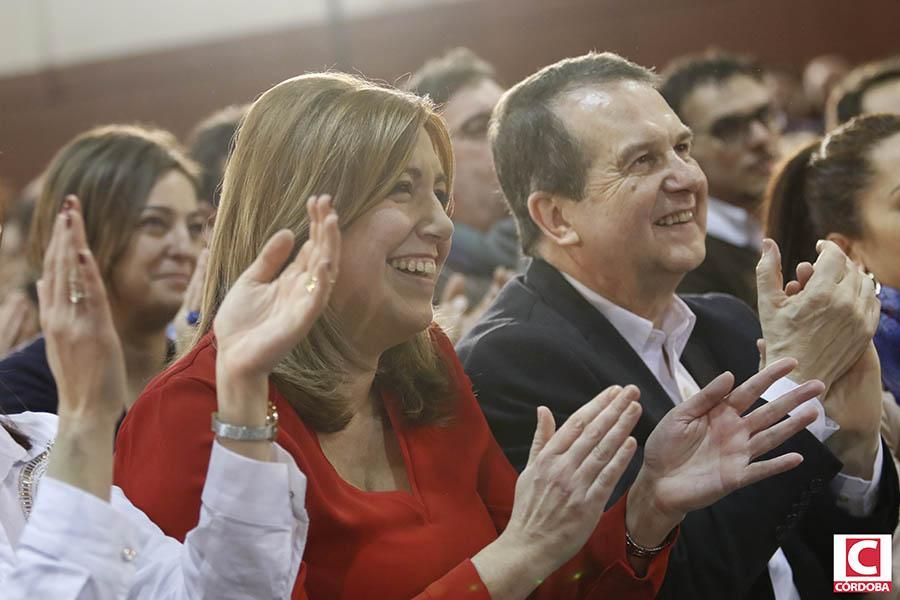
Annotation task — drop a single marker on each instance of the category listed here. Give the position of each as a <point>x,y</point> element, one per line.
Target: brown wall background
<point>176,88</point>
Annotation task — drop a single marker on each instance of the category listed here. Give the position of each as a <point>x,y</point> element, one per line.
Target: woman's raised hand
<point>83,348</point>
<point>268,311</point>
<point>563,491</point>
<point>85,356</point>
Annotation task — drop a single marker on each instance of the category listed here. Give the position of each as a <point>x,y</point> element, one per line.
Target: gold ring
<point>312,284</point>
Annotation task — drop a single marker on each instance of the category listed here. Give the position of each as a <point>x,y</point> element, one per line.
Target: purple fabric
<point>887,340</point>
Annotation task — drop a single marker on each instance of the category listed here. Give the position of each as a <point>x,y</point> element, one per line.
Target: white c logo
<point>853,557</point>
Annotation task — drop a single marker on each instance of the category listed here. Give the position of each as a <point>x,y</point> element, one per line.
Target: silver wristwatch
<point>242,433</point>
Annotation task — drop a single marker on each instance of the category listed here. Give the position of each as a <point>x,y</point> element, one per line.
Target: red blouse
<point>361,544</point>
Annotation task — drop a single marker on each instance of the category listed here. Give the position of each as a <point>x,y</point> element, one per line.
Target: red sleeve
<point>601,569</point>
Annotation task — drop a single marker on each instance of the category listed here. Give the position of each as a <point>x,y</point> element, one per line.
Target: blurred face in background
<point>736,129</point>
<point>478,201</point>
<point>878,250</point>
<point>150,278</point>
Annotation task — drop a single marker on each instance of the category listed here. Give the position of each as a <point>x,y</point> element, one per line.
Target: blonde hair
<point>313,134</point>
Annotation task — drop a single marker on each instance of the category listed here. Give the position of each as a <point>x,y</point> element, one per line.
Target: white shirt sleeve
<point>248,543</point>
<point>72,548</point>
<point>855,495</point>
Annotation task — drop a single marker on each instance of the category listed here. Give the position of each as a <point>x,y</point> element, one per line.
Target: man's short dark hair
<point>845,101</point>
<point>441,77</point>
<point>210,145</point>
<point>686,73</point>
<point>533,149</point>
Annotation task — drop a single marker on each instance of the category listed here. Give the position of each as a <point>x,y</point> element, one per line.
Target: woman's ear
<point>849,247</point>
<point>549,214</point>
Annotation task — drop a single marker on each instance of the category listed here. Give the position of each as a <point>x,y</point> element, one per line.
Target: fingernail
<point>819,245</point>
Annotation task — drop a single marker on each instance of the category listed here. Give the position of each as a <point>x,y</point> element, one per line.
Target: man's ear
<point>548,211</point>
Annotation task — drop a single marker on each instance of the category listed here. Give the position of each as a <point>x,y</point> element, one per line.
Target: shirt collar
<point>733,224</point>
<point>39,428</point>
<point>675,329</point>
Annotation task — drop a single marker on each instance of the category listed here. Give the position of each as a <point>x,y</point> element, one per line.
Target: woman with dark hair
<point>81,538</point>
<point>846,189</point>
<point>142,221</point>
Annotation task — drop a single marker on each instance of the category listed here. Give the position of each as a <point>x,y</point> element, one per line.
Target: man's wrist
<point>647,520</point>
<point>856,450</point>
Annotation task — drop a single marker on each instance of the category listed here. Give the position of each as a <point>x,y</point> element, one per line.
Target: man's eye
<point>644,160</point>
<point>683,148</point>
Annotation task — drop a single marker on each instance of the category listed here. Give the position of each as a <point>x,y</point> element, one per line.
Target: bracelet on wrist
<point>639,551</point>
<point>242,433</point>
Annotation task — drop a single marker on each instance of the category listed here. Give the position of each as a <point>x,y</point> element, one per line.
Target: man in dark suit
<point>611,206</point>
<point>737,128</point>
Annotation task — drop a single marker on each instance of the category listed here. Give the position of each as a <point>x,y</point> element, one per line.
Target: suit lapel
<point>699,361</point>
<point>618,362</point>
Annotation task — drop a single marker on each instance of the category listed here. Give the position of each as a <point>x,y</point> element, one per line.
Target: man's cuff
<point>857,496</point>
<point>823,427</point>
<point>270,494</point>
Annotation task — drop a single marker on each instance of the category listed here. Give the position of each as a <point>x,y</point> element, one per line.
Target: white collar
<point>39,428</point>
<point>675,330</point>
<point>732,224</point>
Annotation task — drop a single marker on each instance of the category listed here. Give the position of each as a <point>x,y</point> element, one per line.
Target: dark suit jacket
<point>543,343</point>
<point>26,383</point>
<point>727,269</point>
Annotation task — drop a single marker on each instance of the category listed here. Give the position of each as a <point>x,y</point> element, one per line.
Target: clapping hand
<point>563,491</point>
<point>271,307</point>
<point>705,448</point>
<point>825,319</point>
<point>85,356</point>
<point>83,348</point>
<point>853,399</point>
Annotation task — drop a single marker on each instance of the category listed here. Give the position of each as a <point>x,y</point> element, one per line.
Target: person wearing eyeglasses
<point>724,99</point>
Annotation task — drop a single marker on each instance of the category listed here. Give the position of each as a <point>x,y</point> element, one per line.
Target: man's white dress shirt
<point>661,348</point>
<point>733,224</point>
<point>248,543</point>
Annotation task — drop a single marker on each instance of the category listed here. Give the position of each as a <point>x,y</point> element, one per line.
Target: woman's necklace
<point>29,477</point>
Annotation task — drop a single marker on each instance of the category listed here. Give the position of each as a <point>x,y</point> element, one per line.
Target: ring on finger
<point>875,282</point>
<point>312,284</point>
<point>76,293</point>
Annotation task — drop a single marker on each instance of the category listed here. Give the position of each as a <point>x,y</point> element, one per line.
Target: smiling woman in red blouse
<point>409,496</point>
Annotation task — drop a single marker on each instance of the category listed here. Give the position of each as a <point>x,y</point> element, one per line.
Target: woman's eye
<point>683,148</point>
<point>402,187</point>
<point>443,197</point>
<point>154,224</point>
<point>196,229</point>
